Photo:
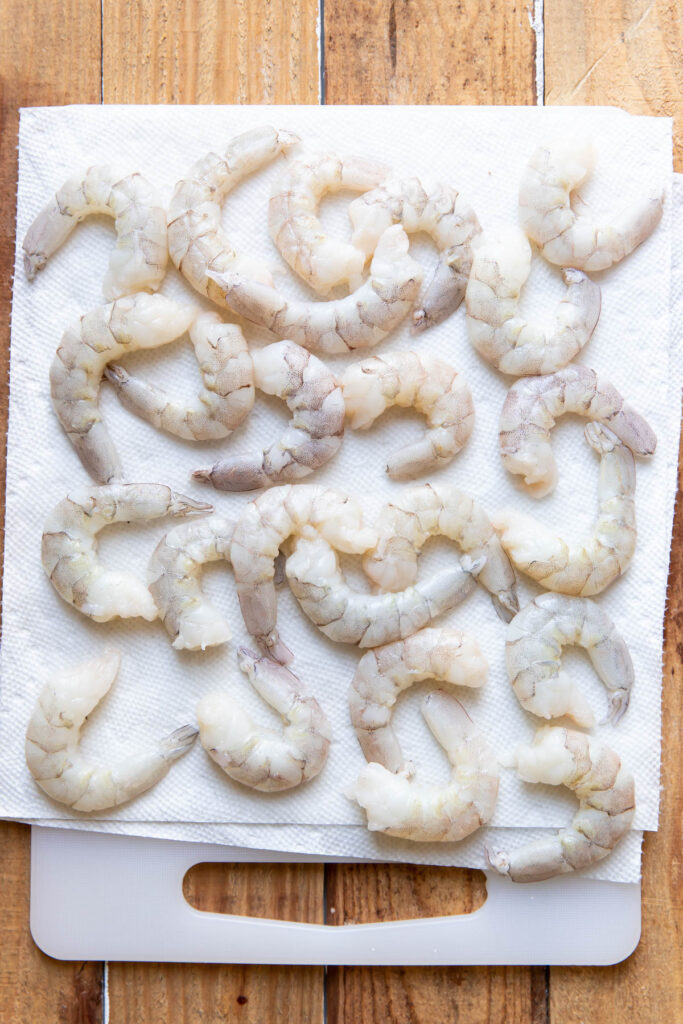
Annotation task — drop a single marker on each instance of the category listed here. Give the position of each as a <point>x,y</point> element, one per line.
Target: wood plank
<point>43,62</point>
<point>428,51</point>
<point>167,51</point>
<point>210,51</point>
<point>621,52</point>
<point>285,892</point>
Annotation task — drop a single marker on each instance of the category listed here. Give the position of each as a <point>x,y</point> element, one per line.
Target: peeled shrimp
<point>197,243</point>
<point>428,384</point>
<point>138,263</point>
<point>432,511</point>
<point>317,427</point>
<point>426,812</point>
<point>227,393</point>
<point>264,525</point>
<point>69,548</point>
<point>588,568</point>
<point>53,754</point>
<point>606,792</point>
<point>350,617</point>
<point>173,577</point>
<point>533,648</point>
<point>296,230</point>
<point>497,331</point>
<point>135,322</point>
<point>444,215</point>
<point>359,320</point>
<point>534,403</point>
<point>384,673</point>
<point>565,237</point>
<point>263,758</point>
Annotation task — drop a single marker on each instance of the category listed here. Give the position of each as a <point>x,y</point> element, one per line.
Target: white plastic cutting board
<point>107,897</point>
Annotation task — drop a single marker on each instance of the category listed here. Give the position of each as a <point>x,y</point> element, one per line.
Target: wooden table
<point>625,53</point>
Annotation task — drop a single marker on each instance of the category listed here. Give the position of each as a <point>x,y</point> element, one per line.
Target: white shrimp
<point>401,806</point>
<point>533,648</point>
<point>606,792</point>
<point>197,243</point>
<point>385,672</point>
<point>587,568</point>
<point>405,524</point>
<point>534,403</point>
<point>227,393</point>
<point>53,754</point>
<point>350,617</point>
<point>138,263</point>
<point>444,215</point>
<point>565,237</point>
<point>264,525</point>
<point>263,758</point>
<point>321,261</point>
<point>426,383</point>
<point>316,431</point>
<point>106,333</point>
<point>69,547</point>
<point>359,320</point>
<point>173,577</point>
<point>505,339</point>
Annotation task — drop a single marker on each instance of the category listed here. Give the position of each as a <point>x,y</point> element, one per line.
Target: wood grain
<point>428,51</point>
<point>626,53</point>
<point>284,892</point>
<point>210,51</point>
<point>42,61</point>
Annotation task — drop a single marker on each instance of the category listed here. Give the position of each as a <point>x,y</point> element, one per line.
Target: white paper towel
<point>480,150</point>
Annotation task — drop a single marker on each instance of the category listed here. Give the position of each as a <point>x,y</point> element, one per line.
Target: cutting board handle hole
<point>334,894</point>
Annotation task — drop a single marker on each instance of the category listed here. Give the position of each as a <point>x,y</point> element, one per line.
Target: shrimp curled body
<point>52,742</point>
<point>533,647</point>
<point>69,547</point>
<point>587,568</point>
<point>385,672</point>
<point>401,806</point>
<point>424,382</point>
<point>317,428</point>
<point>534,403</point>
<point>564,237</point>
<point>606,792</point>
<point>504,338</point>
<point>138,263</point>
<point>262,758</point>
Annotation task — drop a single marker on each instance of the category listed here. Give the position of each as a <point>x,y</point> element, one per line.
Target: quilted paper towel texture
<point>482,151</point>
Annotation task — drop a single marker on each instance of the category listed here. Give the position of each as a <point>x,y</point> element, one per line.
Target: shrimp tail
<point>182,505</point>
<point>178,743</point>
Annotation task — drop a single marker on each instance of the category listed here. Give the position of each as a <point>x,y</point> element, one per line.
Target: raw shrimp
<point>173,577</point>
<point>512,344</point>
<point>135,322</point>
<point>428,384</point>
<point>382,674</point>
<point>359,320</point>
<point>606,792</point>
<point>69,548</point>
<point>227,393</point>
<point>586,568</point>
<point>350,617</point>
<point>432,511</point>
<point>316,431</point>
<point>534,403</point>
<point>264,525</point>
<point>565,237</point>
<point>444,215</point>
<point>533,648</point>
<point>426,812</point>
<point>138,263</point>
<point>52,742</point>
<point>296,230</point>
<point>258,757</point>
<point>196,241</point>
